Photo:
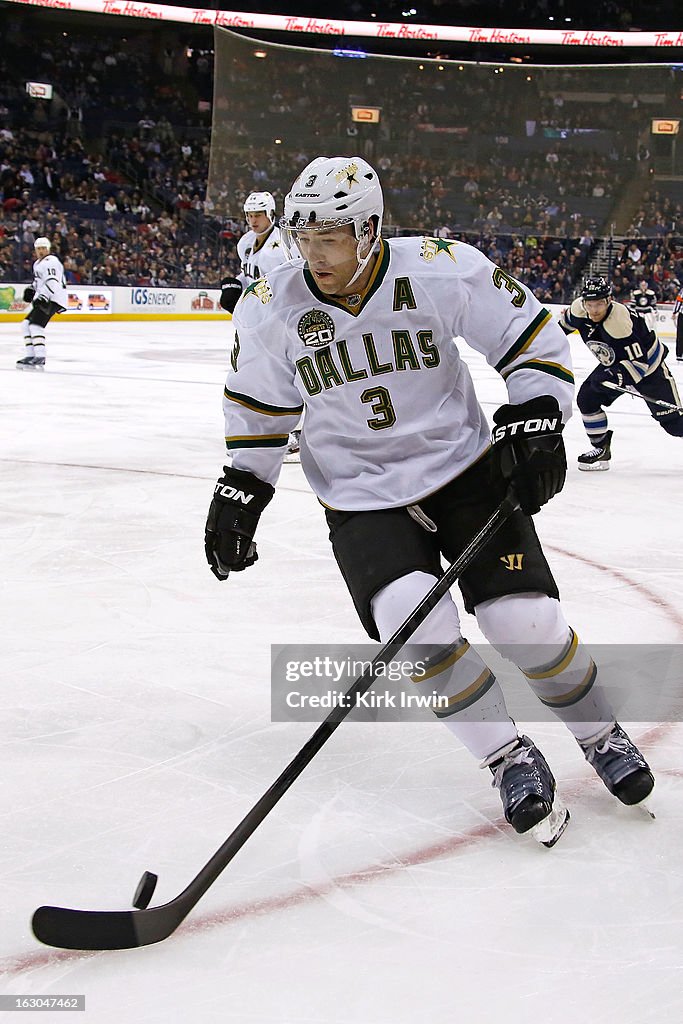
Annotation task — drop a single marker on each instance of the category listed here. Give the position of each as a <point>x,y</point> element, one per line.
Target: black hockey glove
<point>231,290</point>
<point>28,294</point>
<point>616,376</point>
<point>530,449</point>
<point>238,501</point>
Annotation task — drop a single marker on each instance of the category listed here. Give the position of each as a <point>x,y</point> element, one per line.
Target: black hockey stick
<point>125,929</point>
<point>637,394</point>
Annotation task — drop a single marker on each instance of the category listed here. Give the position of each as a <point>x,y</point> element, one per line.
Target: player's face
<point>258,222</point>
<point>596,309</point>
<point>332,258</point>
<point>41,251</point>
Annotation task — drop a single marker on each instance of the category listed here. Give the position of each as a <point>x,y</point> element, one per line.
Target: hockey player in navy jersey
<point>630,355</point>
<point>360,331</point>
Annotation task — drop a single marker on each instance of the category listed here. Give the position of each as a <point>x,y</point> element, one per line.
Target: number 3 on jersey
<point>380,403</point>
<point>503,280</point>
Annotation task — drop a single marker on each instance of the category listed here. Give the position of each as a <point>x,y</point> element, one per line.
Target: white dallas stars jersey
<point>391,411</point>
<point>49,281</point>
<point>259,254</point>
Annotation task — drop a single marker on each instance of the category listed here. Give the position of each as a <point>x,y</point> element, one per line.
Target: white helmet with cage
<point>260,202</point>
<point>330,193</point>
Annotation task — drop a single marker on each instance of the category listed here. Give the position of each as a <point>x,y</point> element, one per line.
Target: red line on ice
<point>13,966</point>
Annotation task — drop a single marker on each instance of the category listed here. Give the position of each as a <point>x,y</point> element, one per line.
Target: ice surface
<point>134,710</point>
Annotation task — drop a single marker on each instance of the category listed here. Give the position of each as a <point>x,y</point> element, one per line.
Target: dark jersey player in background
<point>630,355</point>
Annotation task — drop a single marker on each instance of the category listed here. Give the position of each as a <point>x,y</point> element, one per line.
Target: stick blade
<point>85,929</point>
<point>109,929</point>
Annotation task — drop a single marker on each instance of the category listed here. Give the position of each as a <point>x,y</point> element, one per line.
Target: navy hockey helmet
<point>596,288</point>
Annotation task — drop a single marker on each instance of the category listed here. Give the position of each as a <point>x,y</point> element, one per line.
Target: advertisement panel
<point>322,25</point>
<point>149,300</point>
<point>39,90</point>
<point>665,125</point>
<point>11,298</point>
<point>79,300</point>
<point>89,300</point>
<point>132,303</point>
<point>168,301</point>
<point>139,303</point>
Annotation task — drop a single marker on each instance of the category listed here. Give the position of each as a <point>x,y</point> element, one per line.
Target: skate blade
<point>548,831</point>
<point>597,467</point>
<point>642,806</point>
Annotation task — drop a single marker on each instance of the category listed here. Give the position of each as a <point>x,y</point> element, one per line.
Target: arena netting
<point>470,147</point>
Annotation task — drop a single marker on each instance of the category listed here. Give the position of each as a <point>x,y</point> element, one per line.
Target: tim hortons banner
<point>372,29</point>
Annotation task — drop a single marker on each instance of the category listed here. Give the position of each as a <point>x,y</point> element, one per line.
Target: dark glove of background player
<point>616,376</point>
<point>238,501</point>
<point>231,290</point>
<point>28,294</point>
<point>530,449</point>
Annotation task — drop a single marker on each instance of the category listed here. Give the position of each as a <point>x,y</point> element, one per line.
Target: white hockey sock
<point>567,685</point>
<point>470,701</point>
<point>28,340</point>
<point>472,705</point>
<point>558,668</point>
<point>38,339</point>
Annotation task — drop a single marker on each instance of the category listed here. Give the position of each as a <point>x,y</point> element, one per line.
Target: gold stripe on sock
<point>448,659</point>
<point>565,700</point>
<point>554,668</point>
<point>464,699</point>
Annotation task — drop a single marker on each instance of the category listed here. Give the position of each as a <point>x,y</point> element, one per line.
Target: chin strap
<point>363,262</point>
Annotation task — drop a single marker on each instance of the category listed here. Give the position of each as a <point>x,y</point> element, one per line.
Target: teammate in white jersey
<point>360,332</point>
<point>259,249</point>
<point>48,296</point>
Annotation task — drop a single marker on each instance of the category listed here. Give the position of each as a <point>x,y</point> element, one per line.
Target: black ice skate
<point>527,790</point>
<point>597,458</point>
<point>292,454</point>
<point>620,765</point>
<point>31,363</point>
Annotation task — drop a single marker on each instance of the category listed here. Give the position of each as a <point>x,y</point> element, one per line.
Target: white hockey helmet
<point>332,192</point>
<point>260,202</point>
<point>42,243</point>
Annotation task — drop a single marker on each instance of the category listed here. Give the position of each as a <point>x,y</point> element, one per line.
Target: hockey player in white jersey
<point>644,303</point>
<point>360,332</point>
<point>259,249</point>
<point>48,296</point>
